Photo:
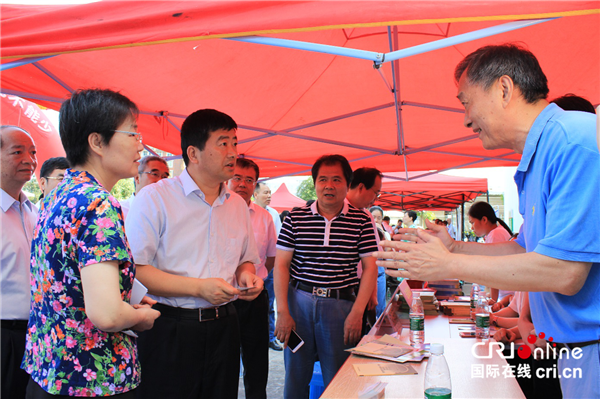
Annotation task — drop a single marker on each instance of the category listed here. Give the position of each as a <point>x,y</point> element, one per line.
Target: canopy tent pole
<point>379,58</point>
<point>53,77</point>
<point>315,47</point>
<point>32,96</point>
<point>340,117</point>
<point>465,37</point>
<point>459,231</point>
<point>393,42</point>
<point>462,217</point>
<point>285,133</point>
<point>459,154</point>
<point>431,106</point>
<point>24,61</point>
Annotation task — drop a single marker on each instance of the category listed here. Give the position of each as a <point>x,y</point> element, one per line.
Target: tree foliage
<point>32,187</point>
<point>306,190</point>
<point>123,189</point>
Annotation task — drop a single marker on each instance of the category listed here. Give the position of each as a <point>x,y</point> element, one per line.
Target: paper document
<point>406,292</point>
<point>461,321</point>
<point>138,292</point>
<point>370,369</point>
<point>386,348</point>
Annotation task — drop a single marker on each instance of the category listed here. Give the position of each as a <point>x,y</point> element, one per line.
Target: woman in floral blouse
<point>82,270</point>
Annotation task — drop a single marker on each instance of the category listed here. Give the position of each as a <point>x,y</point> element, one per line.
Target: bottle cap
<point>436,349</point>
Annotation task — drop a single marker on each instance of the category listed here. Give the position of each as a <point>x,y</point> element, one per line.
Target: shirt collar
<point>190,186</point>
<point>534,134</point>
<point>6,201</point>
<point>81,176</point>
<point>315,211</point>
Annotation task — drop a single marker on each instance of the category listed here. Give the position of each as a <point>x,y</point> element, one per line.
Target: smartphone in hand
<point>295,342</point>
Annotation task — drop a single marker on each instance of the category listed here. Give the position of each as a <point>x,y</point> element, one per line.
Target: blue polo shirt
<point>558,180</point>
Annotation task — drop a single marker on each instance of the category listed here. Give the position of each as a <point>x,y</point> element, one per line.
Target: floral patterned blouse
<point>80,224</point>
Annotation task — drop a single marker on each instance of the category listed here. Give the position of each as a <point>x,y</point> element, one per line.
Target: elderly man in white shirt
<point>253,316</point>
<point>18,219</point>
<point>152,169</point>
<point>194,249</point>
<point>262,198</point>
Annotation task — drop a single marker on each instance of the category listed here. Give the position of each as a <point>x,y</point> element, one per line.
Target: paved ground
<point>276,377</point>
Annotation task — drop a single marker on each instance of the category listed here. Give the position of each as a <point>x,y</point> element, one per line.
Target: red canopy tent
<point>283,200</point>
<point>428,192</point>
<point>27,115</point>
<point>372,80</point>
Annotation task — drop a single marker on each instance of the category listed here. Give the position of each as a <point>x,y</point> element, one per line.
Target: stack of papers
<point>371,369</point>
<point>391,349</point>
<point>430,303</point>
<point>452,308</point>
<point>446,288</point>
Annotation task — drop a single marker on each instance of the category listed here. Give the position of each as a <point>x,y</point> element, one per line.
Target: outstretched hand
<point>425,261</point>
<point>412,236</point>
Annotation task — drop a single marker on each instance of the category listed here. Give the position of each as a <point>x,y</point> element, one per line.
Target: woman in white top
<point>485,223</point>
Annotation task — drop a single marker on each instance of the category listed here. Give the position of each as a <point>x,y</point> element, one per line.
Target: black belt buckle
<point>201,319</point>
<point>321,292</point>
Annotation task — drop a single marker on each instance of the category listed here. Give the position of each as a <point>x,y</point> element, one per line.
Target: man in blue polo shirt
<point>316,280</point>
<point>557,255</point>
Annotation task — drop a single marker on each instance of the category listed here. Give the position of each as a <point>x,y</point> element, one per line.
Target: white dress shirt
<point>171,227</point>
<point>18,219</point>
<point>276,219</point>
<point>126,204</point>
<point>265,236</point>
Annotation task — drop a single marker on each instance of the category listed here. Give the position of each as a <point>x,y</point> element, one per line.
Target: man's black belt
<point>348,293</point>
<point>15,324</point>
<point>201,315</point>
<point>576,344</point>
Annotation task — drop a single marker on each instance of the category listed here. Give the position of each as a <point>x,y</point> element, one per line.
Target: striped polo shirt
<point>326,252</point>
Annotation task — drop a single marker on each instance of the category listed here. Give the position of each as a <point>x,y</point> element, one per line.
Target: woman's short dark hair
<point>485,65</point>
<point>333,160</point>
<point>198,126</point>
<point>91,111</point>
<point>481,208</point>
<point>413,215</point>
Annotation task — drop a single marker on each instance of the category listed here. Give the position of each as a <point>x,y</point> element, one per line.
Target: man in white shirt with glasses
<point>152,169</point>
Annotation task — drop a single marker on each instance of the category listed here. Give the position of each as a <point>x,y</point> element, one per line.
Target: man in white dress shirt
<point>262,198</point>
<point>18,218</point>
<point>52,173</point>
<point>194,249</point>
<point>152,169</point>
<point>253,316</point>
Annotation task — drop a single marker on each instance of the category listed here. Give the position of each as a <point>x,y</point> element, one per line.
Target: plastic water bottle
<point>437,375</point>
<point>482,317</point>
<point>474,296</point>
<point>417,322</point>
